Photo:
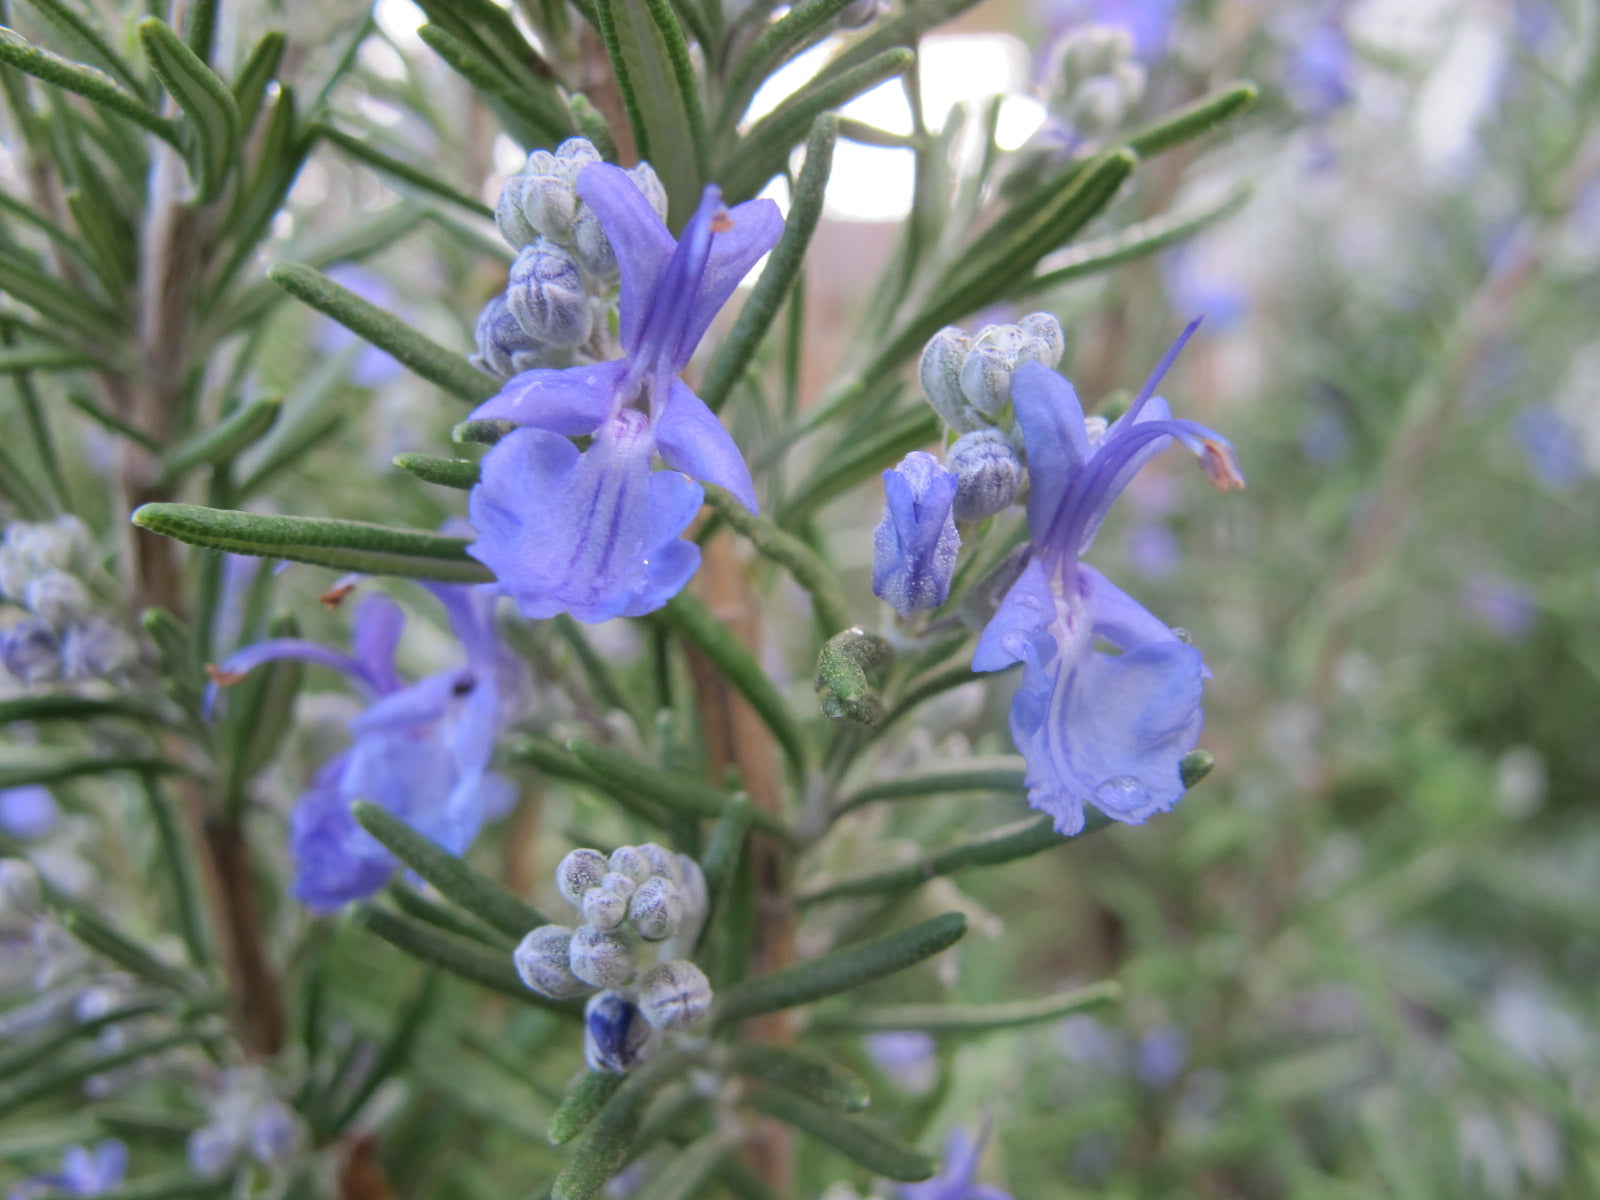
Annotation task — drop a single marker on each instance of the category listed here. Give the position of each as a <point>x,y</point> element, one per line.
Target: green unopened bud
<point>543,963</point>
<point>656,909</point>
<point>580,871</point>
<point>1195,766</point>
<point>674,995</point>
<point>850,663</point>
<point>601,958</point>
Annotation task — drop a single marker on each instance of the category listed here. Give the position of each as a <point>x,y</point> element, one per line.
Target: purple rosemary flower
<point>915,545</point>
<point>83,1172</point>
<point>961,1155</point>
<point>420,750</point>
<point>597,533</point>
<point>1095,728</point>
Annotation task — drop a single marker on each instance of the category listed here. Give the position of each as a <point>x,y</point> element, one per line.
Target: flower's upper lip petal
<point>573,402</point>
<point>251,657</point>
<point>425,700</point>
<point>753,228</point>
<point>641,241</point>
<point>692,440</point>
<point>1052,429</point>
<point>374,634</point>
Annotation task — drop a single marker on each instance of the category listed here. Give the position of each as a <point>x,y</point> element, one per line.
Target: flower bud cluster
<point>1097,81</point>
<point>557,309</point>
<point>56,635</point>
<point>248,1121</point>
<point>641,908</point>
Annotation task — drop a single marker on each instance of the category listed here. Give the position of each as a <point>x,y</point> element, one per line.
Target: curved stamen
<point>661,336</point>
<point>1156,376</point>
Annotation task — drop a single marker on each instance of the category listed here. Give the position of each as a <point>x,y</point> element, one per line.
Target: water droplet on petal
<point>1121,794</point>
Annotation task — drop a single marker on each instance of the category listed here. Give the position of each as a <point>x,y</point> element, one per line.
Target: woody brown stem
<point>735,736</point>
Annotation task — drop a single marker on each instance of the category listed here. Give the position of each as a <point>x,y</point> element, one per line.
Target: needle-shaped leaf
<point>226,440</point>
<point>583,1101</point>
<point>858,1140</point>
<point>207,102</point>
<point>344,545</point>
<point>962,1019</point>
<point>460,473</point>
<point>804,1071</point>
<point>91,83</point>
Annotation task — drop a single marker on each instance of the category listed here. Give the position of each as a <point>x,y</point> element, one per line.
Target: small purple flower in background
<point>1148,22</point>
<point>1196,285</point>
<point>955,1181</point>
<point>1161,1057</point>
<point>915,546</point>
<point>597,533</point>
<point>373,367</point>
<point>421,750</point>
<point>906,1057</point>
<point>1095,728</point>
<point>28,813</point>
<point>1552,446</point>
<point>1316,75</point>
<point>84,1172</point>
<point>1502,606</point>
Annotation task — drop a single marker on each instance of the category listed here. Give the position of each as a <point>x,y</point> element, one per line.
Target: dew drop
<point>1120,793</point>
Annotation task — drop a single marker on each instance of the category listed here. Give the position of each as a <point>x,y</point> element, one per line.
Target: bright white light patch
<point>400,19</point>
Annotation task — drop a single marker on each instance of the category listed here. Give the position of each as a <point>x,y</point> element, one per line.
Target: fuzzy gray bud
<point>656,909</point>
<point>630,861</point>
<point>622,885</point>
<point>505,348</point>
<point>29,650</point>
<point>543,962</point>
<point>674,995</point>
<point>603,908</point>
<point>987,473</point>
<point>940,374</point>
<point>542,199</point>
<point>600,957</point>
<point>996,353</point>
<point>1044,327</point>
<point>545,293</point>
<point>663,862</point>
<point>650,187</point>
<point>578,872</point>
<point>57,597</point>
<point>1098,80</point>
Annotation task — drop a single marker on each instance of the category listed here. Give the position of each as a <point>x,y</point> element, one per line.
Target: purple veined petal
<point>751,229</point>
<point>641,241</point>
<point>374,635</point>
<point>915,545</point>
<point>1162,367</point>
<point>1013,633</point>
<point>242,662</point>
<point>470,611</point>
<point>1116,616</point>
<point>1052,430</point>
<point>335,860</point>
<point>661,352</point>
<point>674,501</point>
<point>423,702</point>
<point>574,402</point>
<point>1109,730</point>
<point>691,439</point>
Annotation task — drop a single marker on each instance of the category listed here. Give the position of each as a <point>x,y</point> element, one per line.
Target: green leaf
<point>686,1175</point>
<point>487,899</point>
<point>803,563</point>
<point>426,357</point>
<point>224,441</point>
<point>63,706</point>
<point>583,1101</point>
<point>1009,842</point>
<point>395,1054</point>
<point>19,1054</point>
<point>89,82</point>
<point>804,24</point>
<point>679,793</point>
<point>817,1078</point>
<point>1195,766</point>
<point>108,240</point>
<point>250,87</point>
<point>25,282</point>
<point>103,938</point>
<point>1005,773</point>
<point>765,149</point>
<point>906,29</point>
<point>460,473</point>
<point>650,61</point>
<point>839,970</point>
<point>783,266</point>
<point>257,716</point>
<point>1189,123</point>
<point>202,27</point>
<point>173,1185</point>
<point>1126,245</point>
<point>64,1073</point>
<point>688,616</point>
<point>963,1019</point>
<point>179,865</point>
<point>322,541</point>
<point>470,961</point>
<point>726,844</point>
<point>358,148</point>
<point>534,115</point>
<point>857,1140</point>
<point>62,765</point>
<point>610,1137</point>
<point>88,42</point>
<point>414,904</point>
<point>562,764</point>
<point>205,100</point>
<point>847,669</point>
